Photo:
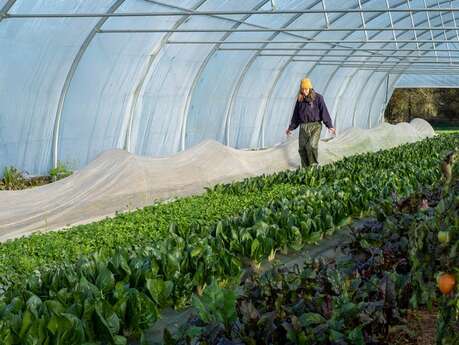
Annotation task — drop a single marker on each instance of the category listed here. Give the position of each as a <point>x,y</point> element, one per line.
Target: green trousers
<point>309,143</point>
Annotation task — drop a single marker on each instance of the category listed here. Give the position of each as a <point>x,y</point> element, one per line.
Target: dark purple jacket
<point>310,112</point>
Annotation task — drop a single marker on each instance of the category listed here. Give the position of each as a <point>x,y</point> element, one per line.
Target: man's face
<point>305,91</point>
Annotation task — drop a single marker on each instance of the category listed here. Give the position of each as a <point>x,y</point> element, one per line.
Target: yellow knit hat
<point>306,84</point>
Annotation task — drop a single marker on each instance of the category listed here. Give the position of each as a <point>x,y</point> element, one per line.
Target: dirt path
<point>420,329</point>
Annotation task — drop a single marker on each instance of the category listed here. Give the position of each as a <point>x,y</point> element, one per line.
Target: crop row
<point>22,256</point>
<point>406,154</point>
<point>388,266</point>
<point>118,292</point>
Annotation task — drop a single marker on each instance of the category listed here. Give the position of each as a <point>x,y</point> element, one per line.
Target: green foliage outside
<point>446,128</point>
<point>438,106</point>
<point>108,281</point>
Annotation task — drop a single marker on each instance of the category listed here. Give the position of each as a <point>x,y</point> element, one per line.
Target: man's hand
<point>332,131</point>
<point>288,131</point>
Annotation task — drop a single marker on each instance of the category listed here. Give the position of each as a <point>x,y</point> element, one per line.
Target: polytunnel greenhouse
<point>225,172</point>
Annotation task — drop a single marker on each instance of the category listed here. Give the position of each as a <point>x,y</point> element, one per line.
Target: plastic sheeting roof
<point>78,77</point>
<point>432,81</point>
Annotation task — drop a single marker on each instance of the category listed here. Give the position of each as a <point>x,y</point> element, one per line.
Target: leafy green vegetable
<point>358,297</point>
<point>108,280</point>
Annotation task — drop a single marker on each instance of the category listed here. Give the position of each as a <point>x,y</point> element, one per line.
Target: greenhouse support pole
<point>69,77</point>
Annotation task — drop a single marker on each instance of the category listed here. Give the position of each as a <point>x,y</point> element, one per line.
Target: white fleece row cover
<point>119,181</point>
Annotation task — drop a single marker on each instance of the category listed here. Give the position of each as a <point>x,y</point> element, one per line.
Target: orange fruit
<point>446,283</point>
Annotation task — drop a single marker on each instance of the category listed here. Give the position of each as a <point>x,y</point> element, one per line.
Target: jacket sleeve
<point>324,114</point>
<point>295,122</point>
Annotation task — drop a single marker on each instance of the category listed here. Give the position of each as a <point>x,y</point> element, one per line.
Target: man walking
<point>310,111</point>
